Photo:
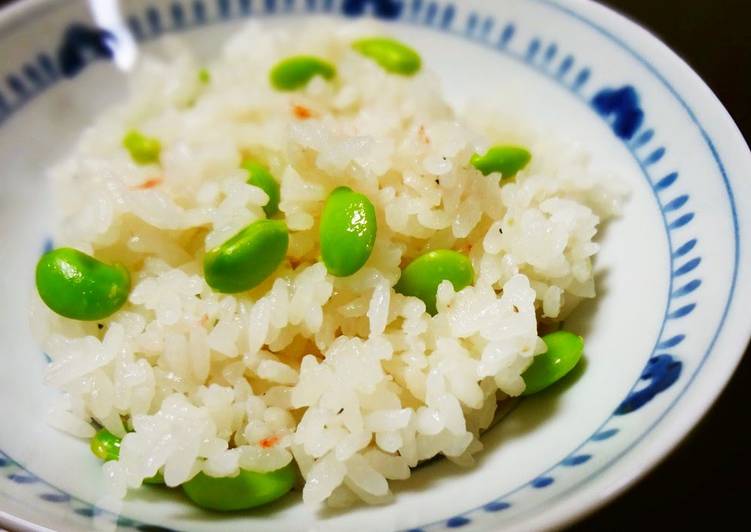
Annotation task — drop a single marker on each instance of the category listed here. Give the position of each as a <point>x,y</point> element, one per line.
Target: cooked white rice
<point>352,380</point>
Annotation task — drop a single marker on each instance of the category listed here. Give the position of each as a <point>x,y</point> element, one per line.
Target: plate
<point>664,336</point>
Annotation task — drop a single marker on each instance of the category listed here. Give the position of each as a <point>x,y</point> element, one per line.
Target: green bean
<point>507,160</point>
<point>247,258</point>
<point>142,149</point>
<point>259,176</point>
<point>392,55</point>
<point>423,275</point>
<point>78,286</point>
<point>295,72</point>
<point>248,489</point>
<point>204,76</point>
<point>563,354</point>
<point>347,231</point>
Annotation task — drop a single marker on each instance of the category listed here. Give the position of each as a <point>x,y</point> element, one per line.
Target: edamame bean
<point>347,231</point>
<point>392,55</point>
<point>259,176</point>
<point>106,446</point>
<point>507,160</point>
<point>295,72</point>
<point>564,352</point>
<point>246,490</point>
<point>204,76</point>
<point>423,275</point>
<point>80,287</point>
<point>247,258</point>
<point>142,149</point>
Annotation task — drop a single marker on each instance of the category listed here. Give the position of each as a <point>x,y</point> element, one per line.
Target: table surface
<point>714,38</point>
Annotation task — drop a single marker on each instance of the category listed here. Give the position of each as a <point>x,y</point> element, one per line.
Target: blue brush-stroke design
<point>576,460</point>
<point>687,288</point>
<point>643,138</point>
<point>675,204</point>
<point>496,506</point>
<point>223,7</point>
<point>387,9</point>
<point>4,462</point>
<point>487,27</point>
<point>623,104</point>
<point>17,86</point>
<point>23,479</point>
<point>687,267</point>
<point>506,35</point>
<point>565,66</point>
<point>604,435</point>
<point>33,75</point>
<point>581,78</point>
<point>550,52</point>
<point>532,49</point>
<point>55,497</point>
<point>245,6</point>
<point>542,482</point>
<point>671,342</point>
<point>448,17</point>
<point>685,248</point>
<point>178,14</point>
<point>661,372</point>
<point>666,181</point>
<point>154,18</point>
<point>680,222</point>
<point>681,312</point>
<point>471,24</point>
<point>654,157</point>
<point>79,45</point>
<point>431,13</point>
<point>199,11</point>
<point>458,521</point>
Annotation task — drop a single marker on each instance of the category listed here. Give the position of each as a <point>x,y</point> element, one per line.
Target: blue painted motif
<point>565,66</point>
<point>681,312</point>
<point>666,181</point>
<point>22,479</point>
<point>576,460</point>
<point>81,43</point>
<point>448,16</point>
<point>671,342</point>
<point>270,5</point>
<point>178,14</point>
<point>687,267</point>
<point>199,11</point>
<point>685,248</point>
<point>623,104</point>
<point>550,52</point>
<point>431,13</point>
<point>389,9</point>
<point>224,9</point>
<point>154,18</point>
<point>675,204</point>
<point>643,138</point>
<point>581,78</point>
<point>541,482</point>
<point>654,157</point>
<point>55,497</point>
<point>532,49</point>
<point>661,372</point>
<point>604,435</point>
<point>681,221</point>
<point>47,65</point>
<point>458,521</point>
<point>496,506</point>
<point>17,86</point>
<point>687,288</point>
<point>506,35</point>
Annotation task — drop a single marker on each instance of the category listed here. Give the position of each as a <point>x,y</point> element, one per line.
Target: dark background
<point>704,482</point>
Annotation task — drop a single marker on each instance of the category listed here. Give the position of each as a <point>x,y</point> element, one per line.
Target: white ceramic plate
<point>662,339</point>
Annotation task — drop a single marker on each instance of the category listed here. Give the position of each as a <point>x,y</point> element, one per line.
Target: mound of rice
<point>350,379</point>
